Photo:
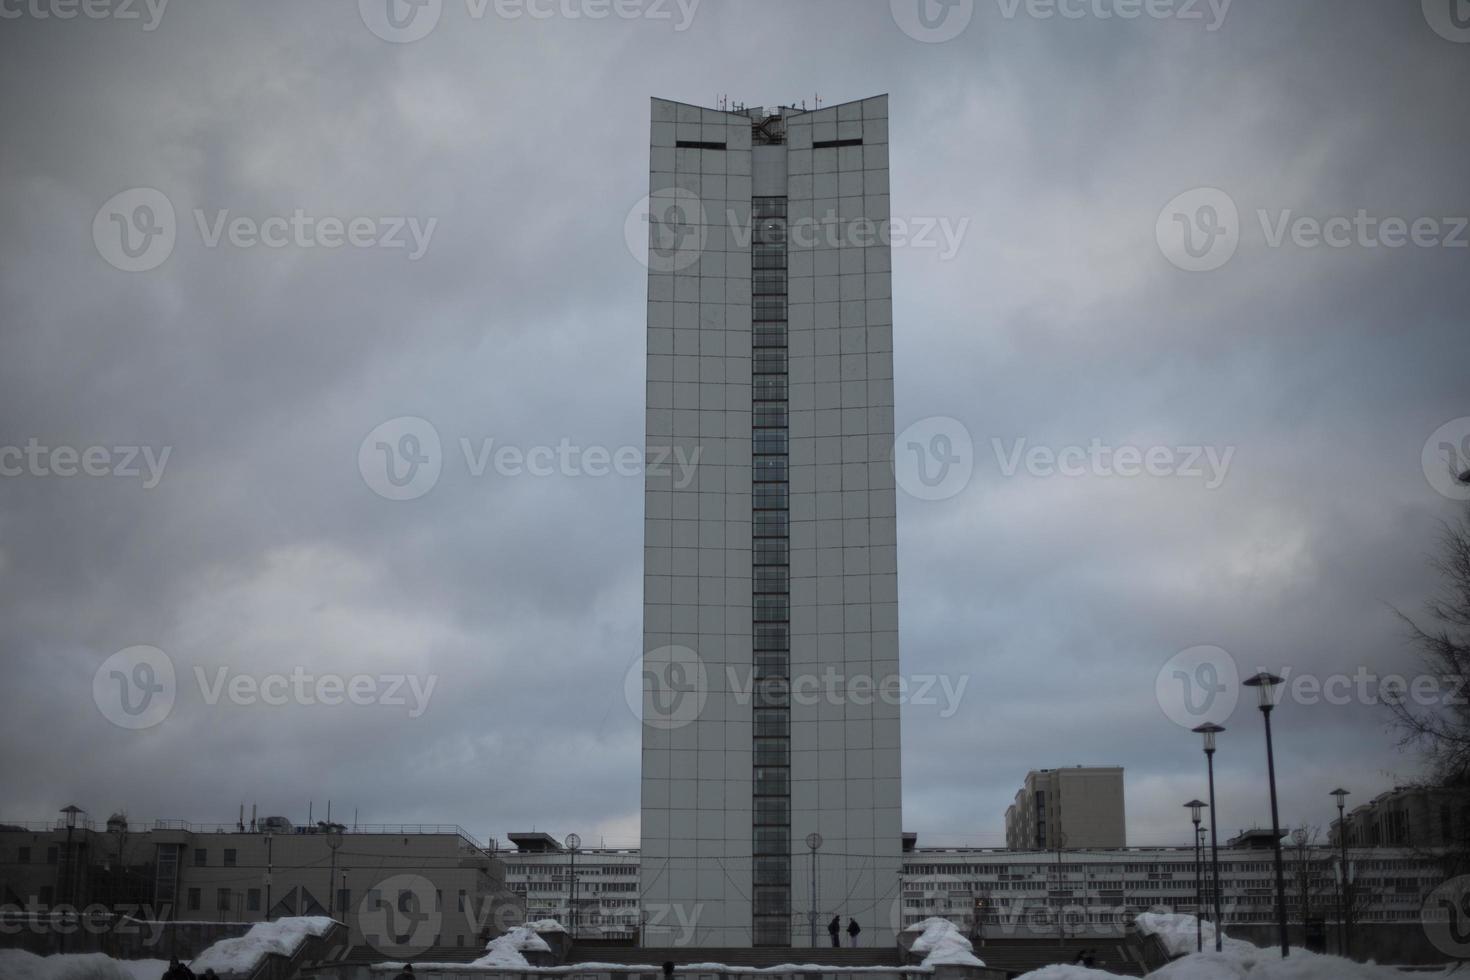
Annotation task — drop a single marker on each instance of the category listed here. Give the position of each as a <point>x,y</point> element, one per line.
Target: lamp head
<point>1266,684</point>
<point>1209,730</point>
<point>1194,807</point>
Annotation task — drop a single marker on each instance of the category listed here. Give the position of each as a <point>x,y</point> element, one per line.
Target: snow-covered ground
<point>17,964</point>
<point>240,955</point>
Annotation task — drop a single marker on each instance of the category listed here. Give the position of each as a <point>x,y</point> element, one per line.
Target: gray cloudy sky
<point>1063,318</point>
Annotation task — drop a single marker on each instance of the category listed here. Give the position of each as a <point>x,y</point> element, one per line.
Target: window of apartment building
<point>222,900</point>
<point>230,857</point>
<point>23,855</point>
<point>252,900</point>
<point>193,900</point>
<point>201,857</point>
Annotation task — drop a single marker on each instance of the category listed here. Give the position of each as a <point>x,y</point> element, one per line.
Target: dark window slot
<point>698,145</point>
<point>831,144</point>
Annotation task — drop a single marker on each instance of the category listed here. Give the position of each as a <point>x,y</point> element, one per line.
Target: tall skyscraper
<point>770,591</point>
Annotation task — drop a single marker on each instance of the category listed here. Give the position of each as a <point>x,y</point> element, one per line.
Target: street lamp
<point>69,868</point>
<point>573,842</point>
<point>1209,730</point>
<point>1195,806</point>
<point>334,841</point>
<point>813,841</point>
<point>1266,684</point>
<point>1342,869</point>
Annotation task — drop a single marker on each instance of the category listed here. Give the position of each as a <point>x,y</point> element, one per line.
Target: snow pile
<point>1267,964</point>
<point>1067,972</point>
<point>547,925</point>
<point>1179,936</point>
<point>509,950</point>
<point>940,942</point>
<point>17,964</point>
<point>282,937</point>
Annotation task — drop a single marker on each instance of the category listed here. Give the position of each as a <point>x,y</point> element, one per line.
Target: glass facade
<point>771,585</point>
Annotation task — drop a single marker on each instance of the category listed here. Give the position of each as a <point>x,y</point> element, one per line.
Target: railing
<point>366,828</point>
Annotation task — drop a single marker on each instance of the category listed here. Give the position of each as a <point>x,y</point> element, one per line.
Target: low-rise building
<point>1408,816</point>
<point>592,892</point>
<point>366,876</point>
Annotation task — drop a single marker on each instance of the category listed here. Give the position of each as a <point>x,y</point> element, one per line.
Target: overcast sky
<point>517,147</point>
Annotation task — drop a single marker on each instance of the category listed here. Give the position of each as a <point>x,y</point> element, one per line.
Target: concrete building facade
<point>1065,809</point>
<point>450,888</point>
<point>1408,816</point>
<point>772,570</point>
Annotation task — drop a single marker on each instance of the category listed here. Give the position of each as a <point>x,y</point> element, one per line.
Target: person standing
<point>852,931</point>
<point>834,929</point>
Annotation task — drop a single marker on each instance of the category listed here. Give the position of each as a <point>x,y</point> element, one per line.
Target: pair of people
<point>834,929</point>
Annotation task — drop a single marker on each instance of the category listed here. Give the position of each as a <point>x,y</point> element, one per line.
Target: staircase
<point>1018,956</point>
<point>737,956</point>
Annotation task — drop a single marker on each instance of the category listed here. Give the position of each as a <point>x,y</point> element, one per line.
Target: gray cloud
<point>1059,321</point>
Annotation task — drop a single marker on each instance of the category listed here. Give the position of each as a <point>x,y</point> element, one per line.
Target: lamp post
<point>813,841</point>
<point>1195,806</point>
<point>1343,908</point>
<point>573,842</point>
<point>1209,730</point>
<point>68,872</point>
<point>1266,684</point>
<point>334,841</point>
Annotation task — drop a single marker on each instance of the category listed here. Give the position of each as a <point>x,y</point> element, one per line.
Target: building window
<point>222,900</point>
<point>252,900</point>
<point>230,857</point>
<point>193,900</point>
<point>201,857</point>
<point>23,856</point>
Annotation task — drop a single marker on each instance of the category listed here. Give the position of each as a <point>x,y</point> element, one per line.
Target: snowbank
<point>1178,933</point>
<point>940,943</point>
<point>241,955</point>
<point>1267,964</point>
<point>1068,972</point>
<point>510,949</point>
<point>547,925</point>
<point>17,964</point>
